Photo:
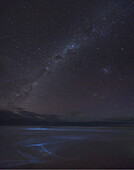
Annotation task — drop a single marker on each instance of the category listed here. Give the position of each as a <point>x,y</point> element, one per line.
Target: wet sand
<point>67,148</point>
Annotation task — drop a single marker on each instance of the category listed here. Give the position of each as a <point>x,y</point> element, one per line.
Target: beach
<point>66,147</point>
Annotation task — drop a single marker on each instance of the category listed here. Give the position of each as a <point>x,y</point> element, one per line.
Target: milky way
<point>73,58</point>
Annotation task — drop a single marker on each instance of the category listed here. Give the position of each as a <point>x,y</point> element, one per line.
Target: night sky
<point>73,58</point>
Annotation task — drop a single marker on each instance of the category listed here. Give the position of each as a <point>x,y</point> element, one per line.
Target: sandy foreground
<point>67,148</point>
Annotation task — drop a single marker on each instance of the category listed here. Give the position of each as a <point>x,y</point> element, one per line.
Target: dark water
<point>66,147</point>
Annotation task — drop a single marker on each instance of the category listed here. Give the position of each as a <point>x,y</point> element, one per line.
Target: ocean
<point>66,147</point>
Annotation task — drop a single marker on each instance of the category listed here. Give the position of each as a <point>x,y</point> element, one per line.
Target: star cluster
<point>68,56</point>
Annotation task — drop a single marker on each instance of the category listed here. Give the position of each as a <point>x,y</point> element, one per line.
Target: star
<point>53,55</point>
<point>105,70</point>
<point>94,94</point>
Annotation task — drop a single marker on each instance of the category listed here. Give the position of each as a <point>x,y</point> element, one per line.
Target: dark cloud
<point>23,117</point>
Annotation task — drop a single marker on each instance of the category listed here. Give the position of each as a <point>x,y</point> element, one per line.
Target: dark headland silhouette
<point>22,117</point>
